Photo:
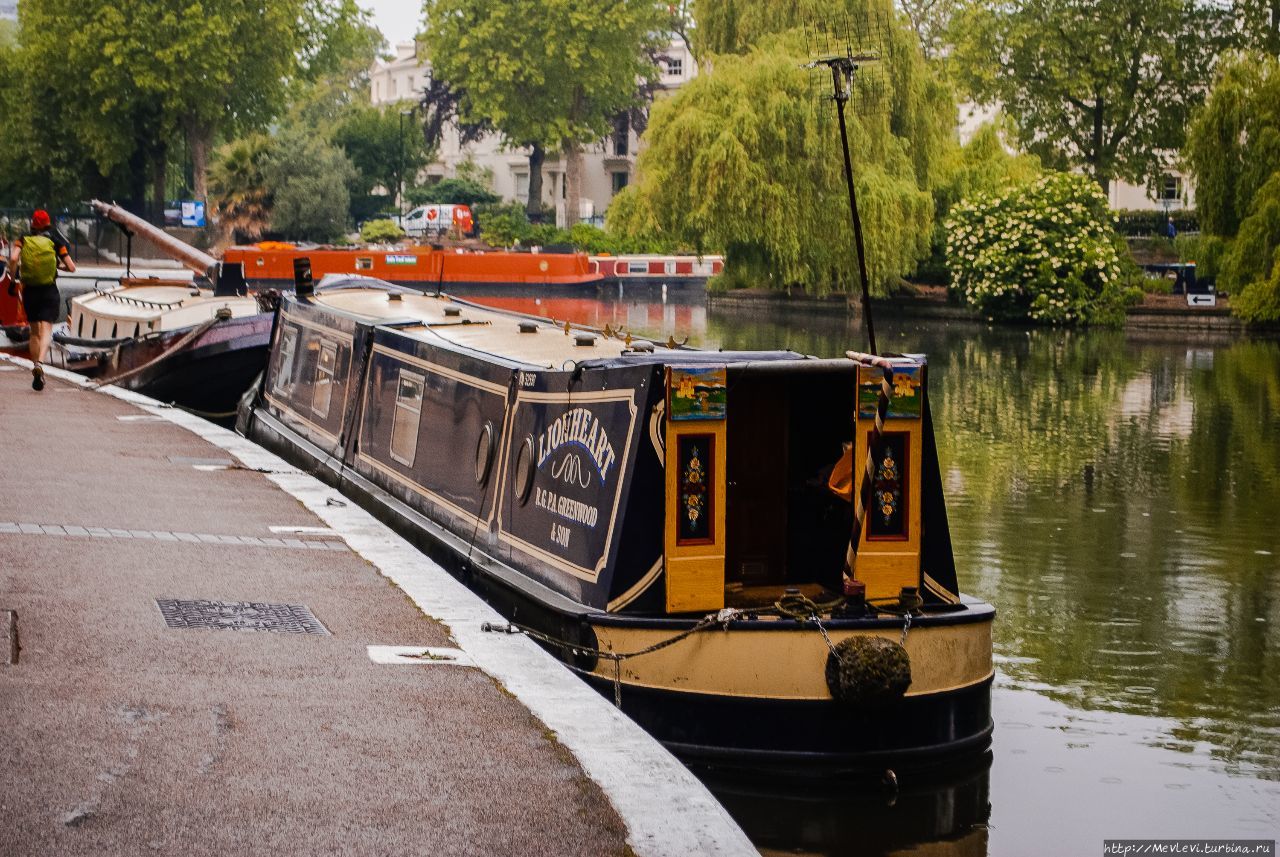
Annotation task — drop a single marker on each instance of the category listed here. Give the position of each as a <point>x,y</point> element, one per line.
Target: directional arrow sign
<point>1202,300</point>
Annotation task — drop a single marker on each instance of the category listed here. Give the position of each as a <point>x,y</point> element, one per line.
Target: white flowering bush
<point>1043,250</point>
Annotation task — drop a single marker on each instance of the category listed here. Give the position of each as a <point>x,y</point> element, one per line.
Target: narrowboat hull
<point>561,526</point>
<point>208,376</point>
<point>676,272</point>
<point>765,724</point>
<point>419,267</point>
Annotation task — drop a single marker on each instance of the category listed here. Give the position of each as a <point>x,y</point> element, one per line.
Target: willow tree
<point>1234,154</point>
<point>745,159</point>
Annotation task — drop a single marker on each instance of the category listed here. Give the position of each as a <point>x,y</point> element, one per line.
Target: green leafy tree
<point>308,181</point>
<point>1234,154</point>
<point>226,63</point>
<point>123,85</point>
<point>1259,22</point>
<point>546,74</point>
<point>339,45</point>
<point>1042,250</point>
<point>503,225</point>
<point>930,19</point>
<point>386,147</point>
<point>1118,111</point>
<point>745,160</point>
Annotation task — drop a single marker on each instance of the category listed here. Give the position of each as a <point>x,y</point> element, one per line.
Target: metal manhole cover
<point>239,616</point>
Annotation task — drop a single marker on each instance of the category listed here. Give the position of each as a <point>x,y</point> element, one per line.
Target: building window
<point>675,67</point>
<point>364,263</point>
<point>621,131</point>
<point>619,181</point>
<point>522,185</point>
<point>408,415</point>
<point>1170,187</point>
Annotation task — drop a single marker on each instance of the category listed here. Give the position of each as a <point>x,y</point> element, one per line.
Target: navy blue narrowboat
<point>677,525</point>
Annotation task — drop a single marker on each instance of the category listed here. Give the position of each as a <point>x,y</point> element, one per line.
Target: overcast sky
<point>397,19</point>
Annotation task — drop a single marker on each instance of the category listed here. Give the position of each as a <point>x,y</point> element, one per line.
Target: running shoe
<point>37,378</point>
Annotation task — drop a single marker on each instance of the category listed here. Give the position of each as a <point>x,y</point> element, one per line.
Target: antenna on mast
<point>852,45</point>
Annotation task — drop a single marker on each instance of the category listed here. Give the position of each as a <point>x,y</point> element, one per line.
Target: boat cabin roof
<point>536,342</point>
<point>524,340</point>
<point>133,302</point>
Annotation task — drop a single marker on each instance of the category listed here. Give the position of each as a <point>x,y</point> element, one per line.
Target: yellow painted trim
<point>789,663</point>
<point>695,573</point>
<point>887,565</point>
<point>941,591</point>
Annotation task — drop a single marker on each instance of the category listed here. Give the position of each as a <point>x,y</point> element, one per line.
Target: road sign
<point>192,212</point>
<point>1209,299</point>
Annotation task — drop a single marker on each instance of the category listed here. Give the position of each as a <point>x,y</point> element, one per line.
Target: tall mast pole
<point>842,69</point>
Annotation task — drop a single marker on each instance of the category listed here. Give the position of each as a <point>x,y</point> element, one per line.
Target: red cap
<point>40,219</point>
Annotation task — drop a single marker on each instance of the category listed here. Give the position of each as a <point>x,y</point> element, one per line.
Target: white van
<point>431,220</point>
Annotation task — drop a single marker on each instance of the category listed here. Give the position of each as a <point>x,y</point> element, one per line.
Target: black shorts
<point>41,303</point>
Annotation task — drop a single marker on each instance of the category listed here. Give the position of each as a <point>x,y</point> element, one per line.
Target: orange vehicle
<point>270,264</point>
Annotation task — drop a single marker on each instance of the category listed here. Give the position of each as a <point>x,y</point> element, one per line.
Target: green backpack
<point>39,261</point>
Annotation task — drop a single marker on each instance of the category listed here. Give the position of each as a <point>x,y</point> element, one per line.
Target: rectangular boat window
<point>408,415</point>
<point>283,380</point>
<point>364,263</point>
<point>323,393</point>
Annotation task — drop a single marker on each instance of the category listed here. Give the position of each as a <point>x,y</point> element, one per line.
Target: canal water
<point>1118,499</point>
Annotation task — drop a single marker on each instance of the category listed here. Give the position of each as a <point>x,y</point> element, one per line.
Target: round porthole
<point>524,470</point>
<point>484,454</point>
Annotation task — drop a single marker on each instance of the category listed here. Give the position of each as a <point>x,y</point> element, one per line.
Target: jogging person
<point>37,258</point>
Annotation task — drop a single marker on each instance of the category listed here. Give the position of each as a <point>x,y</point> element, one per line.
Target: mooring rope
<point>711,620</point>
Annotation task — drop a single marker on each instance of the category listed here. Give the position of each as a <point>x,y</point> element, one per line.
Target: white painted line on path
<point>668,812</point>
<point>421,655</point>
<point>309,531</point>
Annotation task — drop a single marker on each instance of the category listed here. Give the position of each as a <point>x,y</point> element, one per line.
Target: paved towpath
<point>120,734</point>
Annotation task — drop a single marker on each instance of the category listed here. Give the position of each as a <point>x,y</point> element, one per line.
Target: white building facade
<point>607,166</point>
<point>1173,192</point>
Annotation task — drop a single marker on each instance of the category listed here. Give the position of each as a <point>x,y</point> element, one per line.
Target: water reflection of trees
<point>1112,499</point>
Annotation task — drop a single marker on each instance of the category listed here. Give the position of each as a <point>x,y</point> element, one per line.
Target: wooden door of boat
<point>756,507</point>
